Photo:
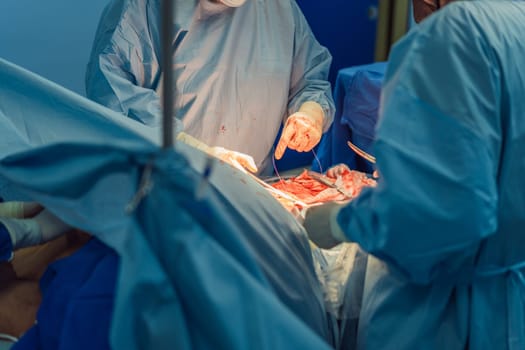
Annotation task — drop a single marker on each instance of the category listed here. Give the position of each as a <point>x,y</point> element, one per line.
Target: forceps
<point>362,153</point>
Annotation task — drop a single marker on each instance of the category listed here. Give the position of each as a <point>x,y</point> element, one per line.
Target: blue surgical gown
<point>446,222</point>
<point>239,71</point>
<point>200,263</point>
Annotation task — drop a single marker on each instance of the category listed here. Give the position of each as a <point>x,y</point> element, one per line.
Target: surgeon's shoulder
<point>461,24</point>
<point>468,17</point>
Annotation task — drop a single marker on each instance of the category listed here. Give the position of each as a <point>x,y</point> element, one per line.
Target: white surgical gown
<point>239,71</point>
<point>447,220</point>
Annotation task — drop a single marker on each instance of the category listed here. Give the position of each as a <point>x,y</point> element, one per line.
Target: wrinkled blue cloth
<point>356,93</point>
<point>203,263</point>
<point>239,71</point>
<point>448,214</point>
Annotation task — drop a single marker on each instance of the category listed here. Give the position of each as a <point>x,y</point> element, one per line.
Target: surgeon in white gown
<point>242,69</point>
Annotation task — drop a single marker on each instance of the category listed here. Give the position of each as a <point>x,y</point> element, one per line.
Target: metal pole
<point>168,96</point>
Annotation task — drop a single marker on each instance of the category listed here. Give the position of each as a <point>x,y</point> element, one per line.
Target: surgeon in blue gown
<point>445,224</point>
<point>242,69</point>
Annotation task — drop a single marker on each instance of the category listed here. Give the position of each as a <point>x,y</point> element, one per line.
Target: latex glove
<point>321,225</point>
<point>236,159</point>
<point>337,170</point>
<point>302,130</point>
<point>29,232</point>
<point>341,169</point>
<point>19,209</point>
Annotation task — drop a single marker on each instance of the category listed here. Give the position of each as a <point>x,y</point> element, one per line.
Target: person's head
<point>423,8</point>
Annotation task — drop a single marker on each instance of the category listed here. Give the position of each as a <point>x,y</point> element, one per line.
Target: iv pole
<point>168,96</point>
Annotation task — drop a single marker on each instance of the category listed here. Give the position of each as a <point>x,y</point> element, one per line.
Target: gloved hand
<point>302,130</point>
<point>321,225</point>
<point>341,169</point>
<point>19,209</point>
<point>337,170</point>
<point>29,232</point>
<point>236,159</point>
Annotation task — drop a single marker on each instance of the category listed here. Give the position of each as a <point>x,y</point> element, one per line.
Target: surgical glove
<point>321,225</point>
<point>51,226</point>
<point>302,130</point>
<point>29,232</point>
<point>342,169</point>
<point>236,159</point>
<point>19,209</point>
<point>337,170</point>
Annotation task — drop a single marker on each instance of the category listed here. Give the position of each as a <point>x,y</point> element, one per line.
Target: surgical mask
<point>233,3</point>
